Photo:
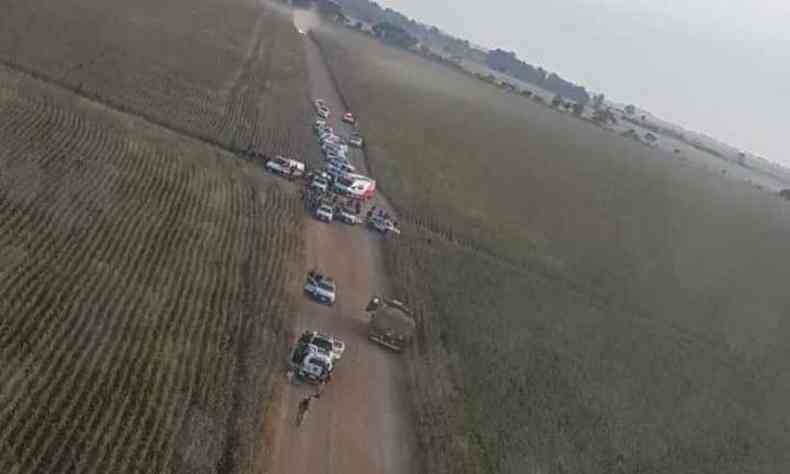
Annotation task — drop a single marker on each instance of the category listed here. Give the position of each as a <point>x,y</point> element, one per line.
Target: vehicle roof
<point>392,317</point>
<point>326,279</point>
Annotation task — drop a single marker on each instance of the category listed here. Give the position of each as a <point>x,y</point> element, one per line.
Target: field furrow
<point>136,264</point>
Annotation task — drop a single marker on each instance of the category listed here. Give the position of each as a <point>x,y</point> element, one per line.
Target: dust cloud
<point>305,20</point>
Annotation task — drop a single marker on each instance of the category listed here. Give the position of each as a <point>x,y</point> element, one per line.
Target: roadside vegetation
<point>586,304</point>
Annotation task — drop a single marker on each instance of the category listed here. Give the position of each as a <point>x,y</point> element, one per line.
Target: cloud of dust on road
<point>305,20</point>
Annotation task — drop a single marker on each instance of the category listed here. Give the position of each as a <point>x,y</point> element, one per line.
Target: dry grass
<point>603,307</point>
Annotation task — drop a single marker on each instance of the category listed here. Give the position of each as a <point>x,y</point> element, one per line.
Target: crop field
<point>229,72</point>
<point>145,281</point>
<point>586,304</point>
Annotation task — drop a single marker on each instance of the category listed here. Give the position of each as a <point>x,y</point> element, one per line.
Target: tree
<point>630,109</point>
<point>556,101</point>
<point>395,35</point>
<point>598,101</point>
<point>604,116</point>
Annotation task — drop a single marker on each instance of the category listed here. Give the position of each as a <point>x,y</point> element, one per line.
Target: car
<point>334,144</point>
<point>356,141</point>
<point>344,166</point>
<point>336,171</point>
<point>333,157</point>
<point>285,166</point>
<point>348,117</point>
<point>333,345</point>
<point>383,225</point>
<point>338,148</point>
<point>330,142</point>
<point>324,212</point>
<point>336,156</point>
<point>355,186</point>
<point>347,216</point>
<point>325,344</point>
<point>321,287</point>
<point>330,138</point>
<point>319,125</point>
<point>320,183</point>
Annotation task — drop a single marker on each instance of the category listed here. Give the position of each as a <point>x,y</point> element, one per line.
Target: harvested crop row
<point>207,68</point>
<point>132,268</point>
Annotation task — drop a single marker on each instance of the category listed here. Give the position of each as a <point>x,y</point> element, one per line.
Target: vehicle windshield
<point>326,285</point>
<point>322,343</point>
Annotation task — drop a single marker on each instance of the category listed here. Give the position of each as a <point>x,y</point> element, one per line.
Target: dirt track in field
<point>362,424</point>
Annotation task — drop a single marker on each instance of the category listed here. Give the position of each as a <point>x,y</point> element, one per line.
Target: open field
<point>146,278</point>
<point>232,73</point>
<point>587,304</point>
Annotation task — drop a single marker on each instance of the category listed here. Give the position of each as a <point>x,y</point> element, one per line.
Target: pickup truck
<point>325,213</point>
<point>383,225</point>
<point>391,323</point>
<point>321,288</point>
<point>285,166</point>
<point>356,141</point>
<point>320,183</point>
<point>347,216</point>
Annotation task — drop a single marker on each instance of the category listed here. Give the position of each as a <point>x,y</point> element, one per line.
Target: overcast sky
<point>716,66</point>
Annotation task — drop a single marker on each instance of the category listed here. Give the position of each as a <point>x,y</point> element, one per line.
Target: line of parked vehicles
<point>336,193</point>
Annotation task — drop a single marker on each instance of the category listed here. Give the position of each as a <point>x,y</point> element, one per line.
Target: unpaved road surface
<point>362,423</point>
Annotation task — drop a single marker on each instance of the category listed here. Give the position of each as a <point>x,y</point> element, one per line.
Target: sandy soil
<point>363,421</point>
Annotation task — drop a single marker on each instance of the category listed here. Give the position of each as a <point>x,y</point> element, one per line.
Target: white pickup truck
<point>314,356</point>
<point>383,225</point>
<point>324,212</point>
<point>320,287</point>
<point>285,166</point>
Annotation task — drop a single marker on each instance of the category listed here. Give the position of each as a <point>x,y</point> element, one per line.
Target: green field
<point>599,306</point>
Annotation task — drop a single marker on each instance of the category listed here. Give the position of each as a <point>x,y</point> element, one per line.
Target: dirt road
<point>362,422</point>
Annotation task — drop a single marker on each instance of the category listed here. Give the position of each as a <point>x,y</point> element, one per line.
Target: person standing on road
<point>304,407</point>
<point>301,411</point>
